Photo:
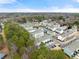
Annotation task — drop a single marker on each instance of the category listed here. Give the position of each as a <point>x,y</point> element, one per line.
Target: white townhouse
<point>27,25</point>
<point>68,33</point>
<point>60,30</point>
<point>35,24</point>
<point>47,39</point>
<point>44,23</point>
<point>38,33</point>
<point>53,26</point>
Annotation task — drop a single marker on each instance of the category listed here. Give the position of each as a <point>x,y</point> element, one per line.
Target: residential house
<point>60,30</point>
<point>38,33</point>
<point>44,23</point>
<point>27,25</point>
<point>47,39</point>
<point>72,49</point>
<point>65,34</point>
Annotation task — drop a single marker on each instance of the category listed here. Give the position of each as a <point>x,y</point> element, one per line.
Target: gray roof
<point>67,32</point>
<point>37,31</point>
<point>72,47</point>
<point>45,37</point>
<point>68,52</point>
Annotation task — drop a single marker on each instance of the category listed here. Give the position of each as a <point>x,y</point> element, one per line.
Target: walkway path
<point>5,49</point>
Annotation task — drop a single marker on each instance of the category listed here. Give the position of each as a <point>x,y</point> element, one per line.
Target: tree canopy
<point>1,42</point>
<point>44,53</point>
<point>18,36</point>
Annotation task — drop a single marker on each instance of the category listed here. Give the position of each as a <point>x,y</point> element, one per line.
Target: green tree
<point>16,56</point>
<point>18,36</point>
<point>1,42</point>
<point>44,53</point>
<point>41,53</point>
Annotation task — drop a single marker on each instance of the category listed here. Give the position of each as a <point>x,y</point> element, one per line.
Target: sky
<point>39,6</point>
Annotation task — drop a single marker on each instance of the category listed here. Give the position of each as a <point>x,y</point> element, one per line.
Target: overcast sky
<point>39,5</point>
